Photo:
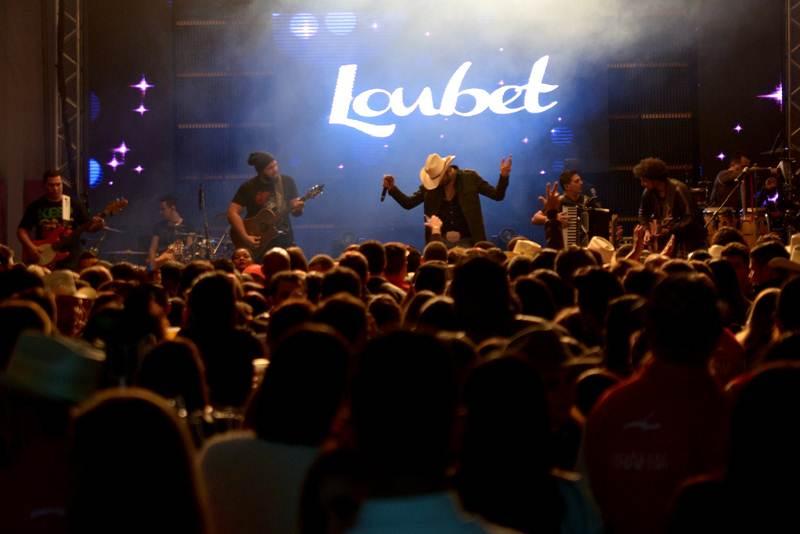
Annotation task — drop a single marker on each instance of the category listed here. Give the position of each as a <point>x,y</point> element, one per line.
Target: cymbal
<point>126,252</point>
<point>186,234</point>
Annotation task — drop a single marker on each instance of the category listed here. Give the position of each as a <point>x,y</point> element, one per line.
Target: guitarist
<point>268,189</point>
<point>52,216</point>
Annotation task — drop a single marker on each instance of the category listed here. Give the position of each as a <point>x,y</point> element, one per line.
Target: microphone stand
<point>738,182</point>
<point>207,244</point>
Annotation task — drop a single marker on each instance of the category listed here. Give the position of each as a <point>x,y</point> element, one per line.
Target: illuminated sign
<point>501,101</point>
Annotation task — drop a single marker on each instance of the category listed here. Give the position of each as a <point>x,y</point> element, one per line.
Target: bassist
<point>52,216</point>
<point>268,189</point>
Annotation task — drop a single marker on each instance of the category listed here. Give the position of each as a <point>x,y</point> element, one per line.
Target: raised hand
<point>388,181</point>
<point>550,200</point>
<point>505,166</point>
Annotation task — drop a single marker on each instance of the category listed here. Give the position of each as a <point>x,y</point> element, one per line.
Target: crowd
<point>533,389</point>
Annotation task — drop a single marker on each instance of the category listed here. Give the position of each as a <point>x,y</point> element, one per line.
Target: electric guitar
<point>264,225</point>
<point>58,245</point>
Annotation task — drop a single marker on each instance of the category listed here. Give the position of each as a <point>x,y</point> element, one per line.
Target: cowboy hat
<point>526,247</point>
<point>603,246</point>
<point>62,284</point>
<point>435,166</point>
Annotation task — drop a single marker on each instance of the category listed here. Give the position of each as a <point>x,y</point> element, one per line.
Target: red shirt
<point>646,436</point>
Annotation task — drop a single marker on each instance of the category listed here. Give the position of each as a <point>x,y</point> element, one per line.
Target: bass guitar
<point>59,244</point>
<point>264,225</point>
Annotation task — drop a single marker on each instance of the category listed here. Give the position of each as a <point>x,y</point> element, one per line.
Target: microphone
<point>201,198</point>
<point>383,193</point>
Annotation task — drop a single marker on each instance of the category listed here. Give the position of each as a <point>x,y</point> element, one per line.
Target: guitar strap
<point>66,208</point>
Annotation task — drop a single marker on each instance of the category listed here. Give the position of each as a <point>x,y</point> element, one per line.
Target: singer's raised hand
<point>505,166</point>
<point>388,181</point>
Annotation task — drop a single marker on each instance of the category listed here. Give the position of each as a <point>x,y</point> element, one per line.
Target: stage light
<point>502,49</point>
<point>95,173</point>
<point>427,34</point>
<point>501,82</point>
<point>138,169</point>
<point>304,25</point>
<point>721,156</point>
<point>374,26</point>
<point>122,149</point>
<point>114,163</point>
<point>141,110</point>
<point>441,136</point>
<point>738,128</point>
<point>525,140</point>
<point>543,172</point>
<point>143,85</point>
<point>111,182</point>
<point>385,146</point>
<point>94,106</point>
<point>559,119</point>
<point>340,23</point>
<point>776,95</point>
<point>340,166</point>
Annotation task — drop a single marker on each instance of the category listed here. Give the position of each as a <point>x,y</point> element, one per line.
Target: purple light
<point>525,140</point>
<point>385,146</point>
<point>721,156</point>
<point>773,198</point>
<point>738,128</point>
<point>559,119</point>
<point>141,110</point>
<point>114,163</point>
<point>122,149</point>
<point>341,166</point>
<point>111,182</point>
<point>143,86</point>
<point>501,82</point>
<point>138,169</point>
<point>776,95</point>
<point>543,172</point>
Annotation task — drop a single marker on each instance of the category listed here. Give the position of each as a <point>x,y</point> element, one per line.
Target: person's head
<point>535,298</point>
<point>242,259</point>
<point>298,259</point>
<point>16,316</point>
<point>738,255</point>
<point>569,260</point>
<point>53,185</point>
<point>274,261</point>
<point>596,288</point>
<point>321,263</point>
<point>571,182</point>
<point>386,312</point>
<point>519,266</point>
<point>265,164</point>
<point>590,386</point>
<point>437,315</point>
<point>302,388</point>
<point>211,303</point>
<point>484,305</point>
<point>286,284</point>
<point>641,281</point>
<point>340,280</point>
<point>435,250</point>
<point>682,320</point>
<point>403,402</point>
<point>727,284</point>
<point>728,234</point>
<point>174,370</point>
<point>625,317</point>
<point>788,312</point>
<point>96,275</point>
<point>168,208</point>
<point>347,315</point>
<point>563,294</point>
<point>651,172</point>
<point>132,461</point>
<point>288,315</point>
<point>760,271</point>
<point>396,259</point>
<point>6,258</point>
<point>771,183</point>
<point>431,276</point>
<point>738,162</point>
<point>414,307</point>
<point>375,254</point>
<point>357,262</point>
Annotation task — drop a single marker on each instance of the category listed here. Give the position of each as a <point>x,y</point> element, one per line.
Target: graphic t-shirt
<point>44,218</point>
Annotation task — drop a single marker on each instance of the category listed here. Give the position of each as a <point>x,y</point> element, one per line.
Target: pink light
<point>776,95</point>
<point>138,169</point>
<point>111,182</point>
<point>721,156</point>
<point>141,110</point>
<point>143,86</point>
<point>114,163</point>
<point>122,149</point>
<point>738,128</point>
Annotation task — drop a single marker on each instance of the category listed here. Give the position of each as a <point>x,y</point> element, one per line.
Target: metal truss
<point>792,77</point>
<point>69,101</point>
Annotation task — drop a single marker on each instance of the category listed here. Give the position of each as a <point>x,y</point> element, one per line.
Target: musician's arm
<point>27,243</point>
<point>151,252</point>
<point>539,218</point>
<point>405,201</point>
<point>235,219</point>
<point>297,206</point>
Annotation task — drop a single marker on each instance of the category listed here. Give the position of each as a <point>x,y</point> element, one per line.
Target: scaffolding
<point>68,99</point>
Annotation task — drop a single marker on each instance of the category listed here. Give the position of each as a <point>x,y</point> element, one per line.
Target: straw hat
<point>526,247</point>
<point>603,246</point>
<point>62,284</point>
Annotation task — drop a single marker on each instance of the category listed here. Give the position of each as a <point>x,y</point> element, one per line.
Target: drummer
<point>724,183</point>
<point>170,235</point>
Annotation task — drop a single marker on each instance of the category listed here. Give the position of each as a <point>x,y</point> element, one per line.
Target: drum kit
<point>754,219</point>
<point>187,247</point>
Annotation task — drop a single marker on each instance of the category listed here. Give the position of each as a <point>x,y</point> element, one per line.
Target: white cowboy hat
<point>603,246</point>
<point>435,165</point>
<point>62,283</point>
<point>526,247</point>
<point>715,251</point>
<point>794,241</point>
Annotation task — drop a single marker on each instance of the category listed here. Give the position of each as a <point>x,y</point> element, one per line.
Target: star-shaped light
<point>138,169</point>
<point>776,95</point>
<point>737,128</point>
<point>340,166</point>
<point>141,110</point>
<point>122,149</point>
<point>501,82</point>
<point>441,136</point>
<point>525,140</point>
<point>543,172</point>
<point>114,163</point>
<point>721,156</point>
<point>143,85</point>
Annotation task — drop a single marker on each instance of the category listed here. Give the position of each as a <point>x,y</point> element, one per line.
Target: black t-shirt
<point>453,219</point>
<point>169,233</point>
<point>44,217</point>
<point>248,196</point>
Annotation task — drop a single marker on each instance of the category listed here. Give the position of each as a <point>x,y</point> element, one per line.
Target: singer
<point>572,186</point>
<point>725,182</point>
<point>452,194</point>
<point>271,190</point>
